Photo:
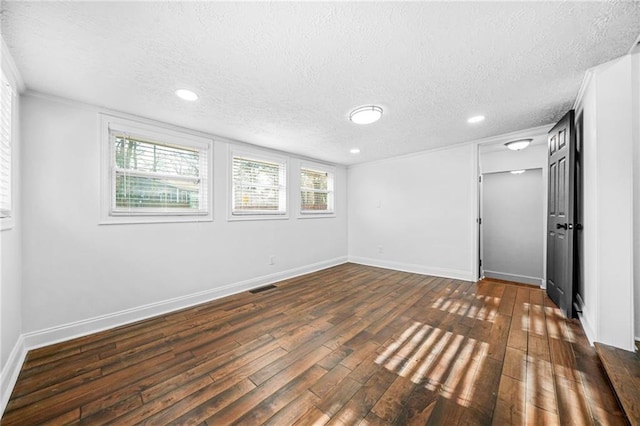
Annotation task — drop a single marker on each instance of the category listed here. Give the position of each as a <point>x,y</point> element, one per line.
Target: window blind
<point>6,104</point>
<point>156,177</point>
<point>316,191</point>
<point>259,186</point>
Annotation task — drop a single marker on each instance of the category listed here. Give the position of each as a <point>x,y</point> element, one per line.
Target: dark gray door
<point>560,223</point>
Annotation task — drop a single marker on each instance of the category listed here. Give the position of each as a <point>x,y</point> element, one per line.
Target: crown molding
<point>10,69</point>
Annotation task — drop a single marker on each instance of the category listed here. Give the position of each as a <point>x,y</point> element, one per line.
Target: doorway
<point>512,238</point>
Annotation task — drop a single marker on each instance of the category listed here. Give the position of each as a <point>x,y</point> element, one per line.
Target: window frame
<point>258,155</point>
<point>153,133</point>
<point>7,215</point>
<point>323,168</point>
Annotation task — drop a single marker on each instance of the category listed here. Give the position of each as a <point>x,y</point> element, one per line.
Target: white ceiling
<point>285,75</point>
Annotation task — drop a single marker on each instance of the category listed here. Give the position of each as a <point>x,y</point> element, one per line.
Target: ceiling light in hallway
<point>518,145</point>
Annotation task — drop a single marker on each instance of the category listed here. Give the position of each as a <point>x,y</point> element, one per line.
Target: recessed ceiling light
<point>187,95</point>
<point>476,119</point>
<point>354,151</point>
<point>366,114</point>
<point>518,145</point>
<point>517,172</point>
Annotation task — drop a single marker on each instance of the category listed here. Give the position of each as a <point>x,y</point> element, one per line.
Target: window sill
<point>7,223</point>
<point>127,220</point>
<point>247,217</point>
<point>316,215</point>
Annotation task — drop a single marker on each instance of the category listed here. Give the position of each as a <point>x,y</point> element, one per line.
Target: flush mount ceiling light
<point>187,95</point>
<point>517,172</point>
<point>354,151</point>
<point>518,145</point>
<point>366,114</point>
<point>476,119</point>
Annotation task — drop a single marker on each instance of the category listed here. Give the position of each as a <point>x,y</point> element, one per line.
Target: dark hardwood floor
<point>347,345</point>
<point>623,371</point>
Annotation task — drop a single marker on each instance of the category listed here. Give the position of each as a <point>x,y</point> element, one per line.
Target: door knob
<point>561,226</point>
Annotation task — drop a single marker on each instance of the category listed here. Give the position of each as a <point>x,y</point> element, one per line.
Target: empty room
<point>308,213</point>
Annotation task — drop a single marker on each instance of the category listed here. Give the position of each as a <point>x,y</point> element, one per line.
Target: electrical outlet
<point>379,249</point>
<point>272,260</point>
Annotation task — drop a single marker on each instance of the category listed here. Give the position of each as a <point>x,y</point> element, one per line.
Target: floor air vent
<point>261,289</point>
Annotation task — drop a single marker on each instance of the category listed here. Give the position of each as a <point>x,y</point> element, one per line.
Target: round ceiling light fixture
<point>517,172</point>
<point>518,145</point>
<point>186,94</point>
<point>354,150</point>
<point>366,114</point>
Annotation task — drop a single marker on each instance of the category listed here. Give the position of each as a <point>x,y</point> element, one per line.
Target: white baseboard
<point>588,330</point>
<point>415,269</point>
<point>515,278</point>
<point>10,372</point>
<point>81,328</point>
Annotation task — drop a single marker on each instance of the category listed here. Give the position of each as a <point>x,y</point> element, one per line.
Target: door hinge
<point>480,179</point>
<point>480,262</point>
<point>479,221</point>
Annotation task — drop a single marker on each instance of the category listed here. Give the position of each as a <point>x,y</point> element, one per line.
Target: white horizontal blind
<point>259,187</point>
<point>6,101</point>
<point>154,177</point>
<point>316,191</point>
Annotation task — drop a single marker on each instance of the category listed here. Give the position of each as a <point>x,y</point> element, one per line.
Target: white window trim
<point>320,168</point>
<point>263,156</point>
<point>8,222</point>
<point>153,132</point>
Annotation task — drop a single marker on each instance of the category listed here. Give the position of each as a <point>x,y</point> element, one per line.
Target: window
<point>155,173</point>
<point>316,189</point>
<point>6,106</point>
<point>259,185</point>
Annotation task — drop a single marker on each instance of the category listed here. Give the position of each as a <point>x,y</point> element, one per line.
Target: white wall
<point>608,203</point>
<point>636,192</point>
<point>512,229</point>
<point>76,270</point>
<point>11,254</point>
<point>416,213</point>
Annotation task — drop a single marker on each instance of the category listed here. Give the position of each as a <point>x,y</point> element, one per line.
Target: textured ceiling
<point>285,75</point>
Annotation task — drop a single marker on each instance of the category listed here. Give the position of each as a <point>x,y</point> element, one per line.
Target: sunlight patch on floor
<point>483,307</point>
<point>439,360</point>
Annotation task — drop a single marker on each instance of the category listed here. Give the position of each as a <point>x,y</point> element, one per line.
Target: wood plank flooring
<point>344,346</point>
<point>623,371</point>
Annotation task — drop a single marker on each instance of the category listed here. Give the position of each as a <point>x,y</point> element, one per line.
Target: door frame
<point>497,143</point>
<point>480,227</point>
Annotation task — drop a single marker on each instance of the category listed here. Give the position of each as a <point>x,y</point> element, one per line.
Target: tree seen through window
<point>153,175</point>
